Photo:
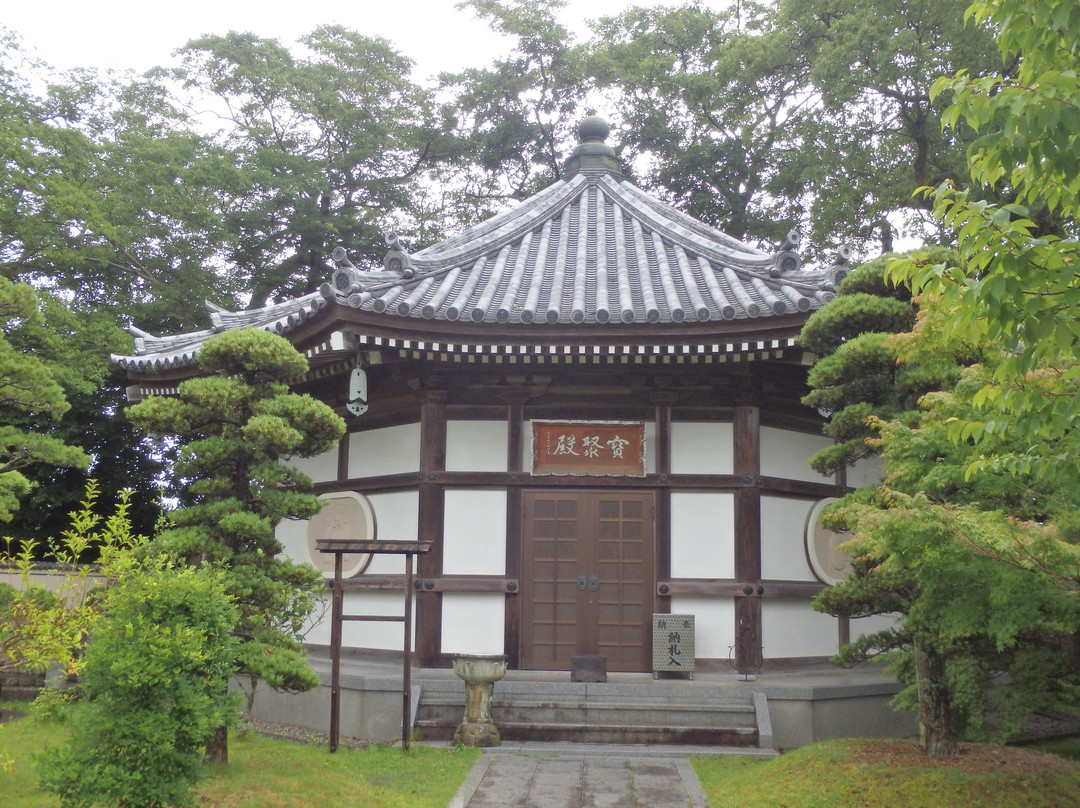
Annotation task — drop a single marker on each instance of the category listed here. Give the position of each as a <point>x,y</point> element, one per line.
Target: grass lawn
<point>264,773</point>
<point>866,773</point>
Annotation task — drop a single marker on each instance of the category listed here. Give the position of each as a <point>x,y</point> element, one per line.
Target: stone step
<point>639,714</point>
<point>614,713</point>
<point>599,733</point>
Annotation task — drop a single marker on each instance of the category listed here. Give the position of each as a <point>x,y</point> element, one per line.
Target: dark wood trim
<point>448,583</point>
<point>475,412</point>
<point>747,463</point>
<point>343,458</point>
<point>372,485</point>
<point>729,587</point>
<point>364,582</point>
<point>662,507</point>
<point>515,436</point>
<point>509,479</point>
<point>470,583</point>
<point>512,610</point>
<point>748,650</point>
<point>430,528</point>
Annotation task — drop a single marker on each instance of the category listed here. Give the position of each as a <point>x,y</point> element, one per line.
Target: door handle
<point>594,583</point>
<point>581,583</point>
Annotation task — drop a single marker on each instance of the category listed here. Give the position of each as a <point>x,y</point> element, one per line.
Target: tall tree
<point>946,554</point>
<point>331,143</point>
<point>857,378</point>
<point>878,133</point>
<point>710,104</point>
<point>803,112</point>
<point>519,116</point>
<point>238,424</point>
<point>108,195</point>
<point>31,396</point>
<point>1017,282</point>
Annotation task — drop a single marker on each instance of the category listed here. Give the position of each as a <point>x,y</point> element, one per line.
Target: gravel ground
<point>299,734</point>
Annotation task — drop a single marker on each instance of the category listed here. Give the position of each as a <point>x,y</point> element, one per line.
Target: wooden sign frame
<point>588,448</point>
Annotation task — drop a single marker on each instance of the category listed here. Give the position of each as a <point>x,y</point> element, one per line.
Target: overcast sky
<point>141,34</point>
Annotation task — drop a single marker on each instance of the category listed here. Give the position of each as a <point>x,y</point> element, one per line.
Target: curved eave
<point>162,354</point>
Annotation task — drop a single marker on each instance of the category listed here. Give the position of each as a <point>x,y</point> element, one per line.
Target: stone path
<point>509,780</point>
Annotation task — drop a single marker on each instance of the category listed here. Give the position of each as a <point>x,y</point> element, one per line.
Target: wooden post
<point>747,450</point>
<point>339,547</point>
<point>406,674</point>
<point>337,611</point>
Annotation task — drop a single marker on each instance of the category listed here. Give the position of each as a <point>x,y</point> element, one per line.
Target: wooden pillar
<point>343,457</point>
<point>430,526</point>
<point>663,401</point>
<point>747,450</point>
<point>515,434</point>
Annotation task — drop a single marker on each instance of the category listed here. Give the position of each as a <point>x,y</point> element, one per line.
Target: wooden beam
<point>715,587</point>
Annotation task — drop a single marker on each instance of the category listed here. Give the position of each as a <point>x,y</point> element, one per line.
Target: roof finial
<point>593,128</point>
<point>592,154</point>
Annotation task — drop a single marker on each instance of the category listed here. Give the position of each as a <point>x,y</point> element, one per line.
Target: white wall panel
<point>870,625</point>
<point>702,535</point>
<point>791,628</point>
<point>396,519</point>
<point>476,445</point>
<point>714,624</point>
<point>391,450</point>
<point>474,533</point>
<point>356,634</point>
<point>783,539</point>
<point>320,468</point>
<point>787,454</point>
<point>702,448</point>
<point>292,533</point>
<point>473,623</point>
<point>866,472</point>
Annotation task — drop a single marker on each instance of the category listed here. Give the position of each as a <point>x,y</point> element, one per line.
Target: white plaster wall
<point>783,539</point>
<point>292,533</point>
<point>474,533</point>
<point>869,625</point>
<point>791,628</point>
<point>650,439</point>
<point>320,468</point>
<point>357,634</point>
<point>390,450</point>
<point>476,445</point>
<point>702,448</point>
<point>473,623</point>
<point>397,515</point>
<point>866,472</point>
<point>787,454</point>
<point>714,624</point>
<point>702,535</point>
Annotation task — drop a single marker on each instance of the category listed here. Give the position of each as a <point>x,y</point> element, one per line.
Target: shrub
<point>155,679</point>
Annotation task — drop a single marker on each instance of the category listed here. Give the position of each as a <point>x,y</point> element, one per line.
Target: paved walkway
<point>552,775</point>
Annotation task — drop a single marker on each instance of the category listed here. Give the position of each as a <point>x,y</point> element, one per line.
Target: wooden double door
<point>587,586</point>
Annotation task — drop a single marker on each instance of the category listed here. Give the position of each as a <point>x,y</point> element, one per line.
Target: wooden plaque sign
<point>600,448</point>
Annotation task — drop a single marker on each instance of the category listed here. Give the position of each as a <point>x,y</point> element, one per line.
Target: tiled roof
<point>164,353</point>
<point>590,249</point>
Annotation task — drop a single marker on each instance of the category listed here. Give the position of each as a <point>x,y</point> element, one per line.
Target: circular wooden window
<point>830,565</point>
<point>344,515</point>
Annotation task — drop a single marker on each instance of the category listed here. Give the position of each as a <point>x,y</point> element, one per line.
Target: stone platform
<point>776,710</point>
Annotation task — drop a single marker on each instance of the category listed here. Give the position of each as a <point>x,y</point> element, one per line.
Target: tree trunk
<point>217,751</point>
<point>935,715</point>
